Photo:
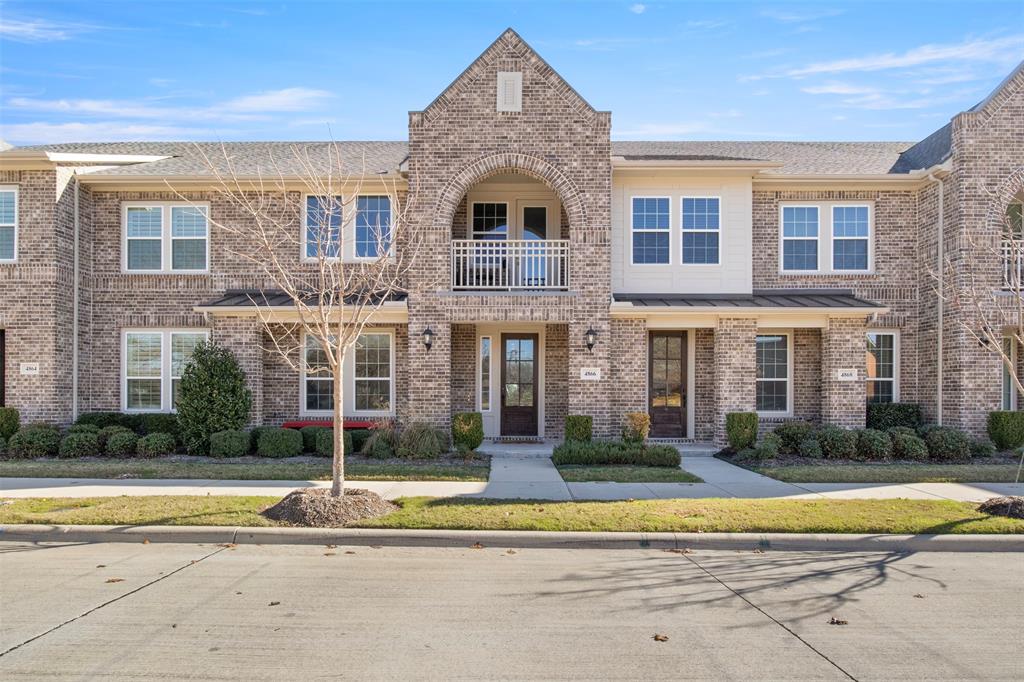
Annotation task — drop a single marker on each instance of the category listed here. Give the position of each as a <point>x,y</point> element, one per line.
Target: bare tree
<point>295,224</point>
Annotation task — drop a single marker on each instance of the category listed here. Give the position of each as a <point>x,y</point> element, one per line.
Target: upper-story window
<point>8,223</point>
<point>323,226</point>
<point>799,237</point>
<point>166,237</point>
<point>651,230</point>
<point>1013,247</point>
<point>373,226</point>
<point>700,230</point>
<point>850,235</point>
<point>490,220</point>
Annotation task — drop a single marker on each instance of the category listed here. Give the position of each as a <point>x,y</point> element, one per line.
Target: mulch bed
<point>1012,506</point>
<point>316,507</point>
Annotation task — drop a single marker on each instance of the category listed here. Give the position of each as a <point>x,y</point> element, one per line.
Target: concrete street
<point>284,612</point>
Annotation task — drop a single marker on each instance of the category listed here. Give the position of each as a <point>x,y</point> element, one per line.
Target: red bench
<point>348,424</point>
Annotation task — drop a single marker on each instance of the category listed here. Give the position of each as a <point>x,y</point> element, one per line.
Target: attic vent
<point>510,91</point>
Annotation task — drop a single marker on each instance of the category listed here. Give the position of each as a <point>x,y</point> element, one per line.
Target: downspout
<point>941,271</point>
<point>74,308</point>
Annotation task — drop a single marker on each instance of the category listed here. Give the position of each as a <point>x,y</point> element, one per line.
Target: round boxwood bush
<point>213,397</point>
<point>837,442</point>
<point>741,429</point>
<point>10,422</point>
<point>1006,429</point>
<point>121,443</point>
<point>636,426</point>
<point>579,427</point>
<point>155,445</point>
<point>946,444</point>
<point>277,442</point>
<point>107,431</point>
<point>381,444</point>
<point>884,416</point>
<point>359,438</point>
<point>230,443</point>
<point>768,447</point>
<point>420,440</point>
<point>982,448</point>
<point>908,445</point>
<point>468,430</point>
<point>325,443</point>
<point>84,428</point>
<point>791,434</point>
<point>37,440</point>
<point>80,444</point>
<point>309,437</point>
<point>102,419</point>
<point>873,445</point>
<point>810,447</point>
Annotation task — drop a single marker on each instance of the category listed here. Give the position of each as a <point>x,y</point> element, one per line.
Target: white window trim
<point>782,239</point>
<point>1006,378</point>
<point>832,239</point>
<point>165,365</point>
<point>17,208</point>
<point>683,231</point>
<point>166,240</point>
<point>895,361</point>
<point>349,376</point>
<point>826,237</point>
<point>508,220</point>
<point>391,228</point>
<point>669,231</point>
<point>479,374</point>
<point>788,333</point>
<point>304,242</point>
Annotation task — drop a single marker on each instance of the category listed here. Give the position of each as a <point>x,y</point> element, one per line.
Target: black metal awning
<point>790,299</point>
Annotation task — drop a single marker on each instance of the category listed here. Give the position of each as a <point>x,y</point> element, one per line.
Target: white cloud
<point>839,88</point>
<point>288,99</point>
<point>706,24</point>
<point>40,30</point>
<point>799,17</point>
<point>638,8</point>
<point>664,129</point>
<point>103,131</point>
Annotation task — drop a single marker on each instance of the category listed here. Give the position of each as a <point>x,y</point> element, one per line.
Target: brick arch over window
<point>509,162</point>
<point>1006,192</point>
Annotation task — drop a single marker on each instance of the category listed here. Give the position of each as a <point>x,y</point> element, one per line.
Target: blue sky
<point>96,71</point>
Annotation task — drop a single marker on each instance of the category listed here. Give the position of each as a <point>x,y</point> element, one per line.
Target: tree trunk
<point>338,469</point>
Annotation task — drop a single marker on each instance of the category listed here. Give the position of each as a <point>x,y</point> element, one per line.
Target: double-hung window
<point>373,372</point>
<point>700,230</point>
<point>323,227</point>
<point>368,371</point>
<point>373,226</point>
<point>651,221</point>
<point>166,237</point>
<point>773,374</point>
<point>800,238</point>
<point>881,366</point>
<point>850,237</point>
<point>154,361</point>
<point>490,221</point>
<point>8,223</point>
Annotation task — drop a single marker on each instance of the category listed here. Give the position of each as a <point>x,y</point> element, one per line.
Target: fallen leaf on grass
<point>238,593</point>
<point>174,625</point>
<point>510,551</point>
<point>274,603</point>
<point>145,541</point>
<point>115,580</point>
<point>660,638</point>
<point>476,545</point>
<point>836,621</point>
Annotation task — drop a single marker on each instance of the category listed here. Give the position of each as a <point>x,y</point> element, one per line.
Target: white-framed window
<point>485,374</point>
<point>153,361</point>
<point>800,238</point>
<point>1009,399</point>
<point>701,224</point>
<point>882,365</point>
<point>851,238</point>
<point>8,223</point>
<point>322,220</point>
<point>373,225</point>
<point>489,220</point>
<point>166,237</point>
<point>1013,254</point>
<point>774,355</point>
<point>369,371</point>
<point>650,224</point>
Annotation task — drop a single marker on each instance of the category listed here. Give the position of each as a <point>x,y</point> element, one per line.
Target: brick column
<point>243,336</point>
<point>592,397</point>
<point>843,345</point>
<point>735,369</point>
<point>629,366</point>
<point>430,371</point>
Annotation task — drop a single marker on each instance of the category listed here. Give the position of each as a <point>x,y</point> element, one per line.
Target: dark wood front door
<point>519,384</point>
<point>666,375</point>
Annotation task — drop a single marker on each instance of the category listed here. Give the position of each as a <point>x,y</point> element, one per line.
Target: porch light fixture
<point>590,338</point>
<point>428,337</point>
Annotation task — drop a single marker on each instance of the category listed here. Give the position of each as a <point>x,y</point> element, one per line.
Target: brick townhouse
<point>578,275</point>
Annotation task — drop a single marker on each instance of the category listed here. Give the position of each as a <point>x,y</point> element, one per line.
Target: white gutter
<point>939,262</point>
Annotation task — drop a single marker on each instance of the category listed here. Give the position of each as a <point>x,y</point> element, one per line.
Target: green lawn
<point>261,470</point>
<point>708,515</point>
<point>625,474</point>
<point>892,473</point>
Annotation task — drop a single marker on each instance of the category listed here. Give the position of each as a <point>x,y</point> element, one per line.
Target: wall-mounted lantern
<point>590,339</point>
<point>428,337</point>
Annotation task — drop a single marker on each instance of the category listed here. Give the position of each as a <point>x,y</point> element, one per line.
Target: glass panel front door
<point>667,384</point>
<point>519,385</point>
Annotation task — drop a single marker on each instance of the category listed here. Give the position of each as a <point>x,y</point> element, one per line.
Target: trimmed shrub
<point>810,447</point>
<point>102,419</point>
<point>309,437</point>
<point>946,444</point>
<point>467,431</point>
<point>908,445</point>
<point>80,444</point>
<point>873,445</point>
<point>278,442</point>
<point>791,434</point>
<point>768,448</point>
<point>579,427</point>
<point>10,422</point>
<point>254,435</point>
<point>601,453</point>
<point>904,430</point>
<point>636,426</point>
<point>1006,429</point>
<point>158,422</point>
<point>84,428</point>
<point>229,443</point>
<point>3,446</point>
<point>107,432</point>
<point>359,438</point>
<point>325,443</point>
<point>213,397</point>
<point>420,440</point>
<point>35,440</point>
<point>155,445</point>
<point>121,443</point>
<point>982,448</point>
<point>884,416</point>
<point>741,429</point>
<point>837,442</point>
<point>381,444</point>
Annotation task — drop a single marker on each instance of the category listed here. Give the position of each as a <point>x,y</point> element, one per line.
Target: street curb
<point>832,542</point>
